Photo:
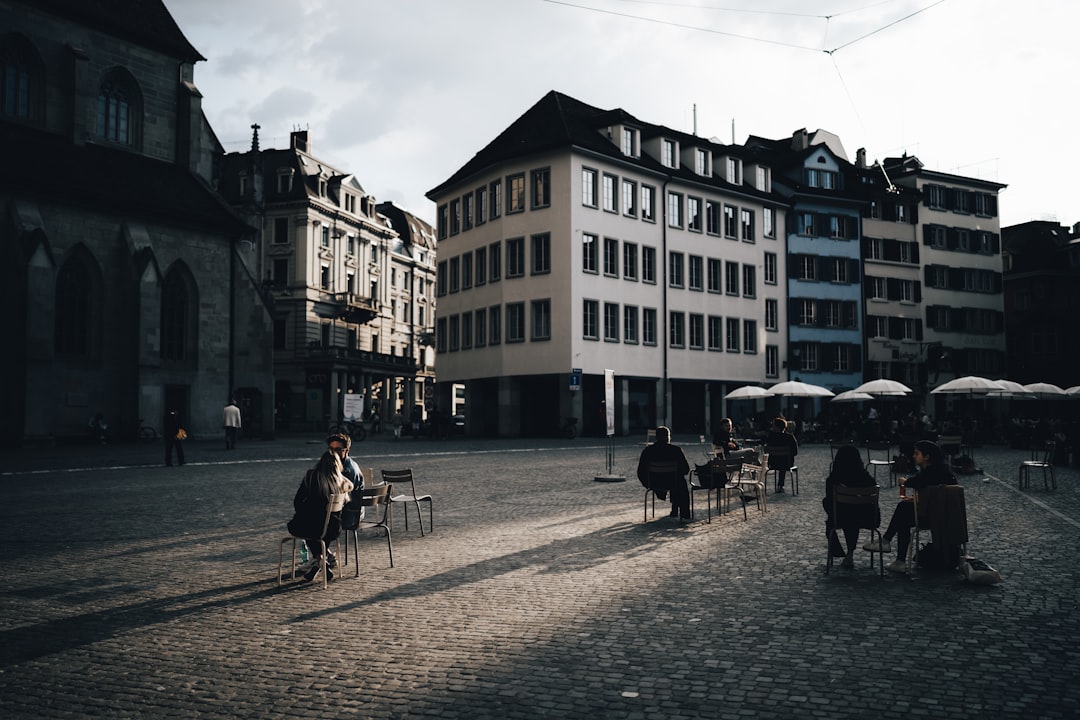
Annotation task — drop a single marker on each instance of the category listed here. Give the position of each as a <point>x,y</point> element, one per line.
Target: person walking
<point>230,420</point>
<point>397,420</point>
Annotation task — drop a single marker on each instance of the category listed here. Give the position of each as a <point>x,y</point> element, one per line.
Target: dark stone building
<point>122,291</point>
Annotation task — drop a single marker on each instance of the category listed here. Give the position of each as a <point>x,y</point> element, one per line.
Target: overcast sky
<point>402,93</point>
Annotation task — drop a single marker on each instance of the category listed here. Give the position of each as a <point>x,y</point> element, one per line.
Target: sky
<point>402,93</point>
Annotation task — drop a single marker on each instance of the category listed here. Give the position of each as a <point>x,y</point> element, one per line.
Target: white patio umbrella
<point>1011,388</point>
<point>1044,390</point>
<point>747,392</point>
<point>969,385</point>
<point>1074,391</point>
<point>883,387</point>
<point>852,396</point>
<point>794,388</point>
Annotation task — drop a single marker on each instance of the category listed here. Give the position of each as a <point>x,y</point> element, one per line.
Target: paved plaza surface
<point>133,590</point>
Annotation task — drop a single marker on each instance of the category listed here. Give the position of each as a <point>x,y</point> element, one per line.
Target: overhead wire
<point>752,38</point>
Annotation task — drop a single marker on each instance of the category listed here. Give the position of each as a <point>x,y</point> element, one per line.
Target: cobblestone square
<point>138,591</point>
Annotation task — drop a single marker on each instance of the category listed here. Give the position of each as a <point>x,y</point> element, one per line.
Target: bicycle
<point>146,433</point>
<point>353,428</point>
<point>569,428</point>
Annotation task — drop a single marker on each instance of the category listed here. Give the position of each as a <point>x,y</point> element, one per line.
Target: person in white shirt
<point>230,420</point>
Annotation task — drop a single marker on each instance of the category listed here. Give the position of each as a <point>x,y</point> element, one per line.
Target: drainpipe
<point>663,339</point>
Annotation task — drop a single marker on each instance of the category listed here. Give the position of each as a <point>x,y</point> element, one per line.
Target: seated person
<point>309,504</point>
<point>933,470</point>
<point>848,470</point>
<point>723,440</point>
<point>663,451</point>
<point>779,437</point>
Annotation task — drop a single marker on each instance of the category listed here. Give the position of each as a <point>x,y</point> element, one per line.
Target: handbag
<point>181,434</point>
<point>979,573</point>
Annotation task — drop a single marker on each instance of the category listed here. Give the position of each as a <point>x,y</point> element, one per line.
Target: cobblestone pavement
<point>134,590</point>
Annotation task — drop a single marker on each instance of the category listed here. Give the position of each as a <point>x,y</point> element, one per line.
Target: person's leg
<point>780,474</point>
<point>168,450</point>
<point>903,519</point>
<point>680,498</point>
<point>180,452</point>
<point>851,538</point>
<point>903,541</point>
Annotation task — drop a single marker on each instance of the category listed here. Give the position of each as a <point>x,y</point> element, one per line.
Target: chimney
<point>860,158</point>
<point>800,140</point>
<point>299,140</point>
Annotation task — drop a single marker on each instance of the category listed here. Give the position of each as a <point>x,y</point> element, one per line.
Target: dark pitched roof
<point>555,121</point>
<point>49,167</point>
<point>144,22</point>
<point>558,121</point>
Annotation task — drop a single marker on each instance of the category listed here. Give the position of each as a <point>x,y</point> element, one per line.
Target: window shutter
<point>928,275</point>
<point>928,234</point>
<point>854,267</point>
<point>892,288</point>
<point>919,330</point>
<point>996,282</point>
<point>896,328</point>
<point>995,240</point>
<point>915,252</point>
<point>953,238</point>
<point>847,314</point>
<point>956,278</point>
<point>918,292</point>
<point>851,227</point>
<point>891,250</point>
<point>856,358</point>
<point>956,319</point>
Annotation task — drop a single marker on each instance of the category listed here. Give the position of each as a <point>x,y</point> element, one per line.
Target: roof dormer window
<point>630,142</point>
<point>734,171</point>
<point>669,153</point>
<point>702,162</point>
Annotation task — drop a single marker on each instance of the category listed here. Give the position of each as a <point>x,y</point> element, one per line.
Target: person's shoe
<point>313,573</point>
<point>848,562</point>
<point>898,566</point>
<point>879,547</point>
<point>331,560</point>
<point>674,512</point>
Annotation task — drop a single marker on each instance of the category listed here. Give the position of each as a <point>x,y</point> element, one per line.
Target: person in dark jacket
<point>933,470</point>
<point>779,437</point>
<point>309,505</point>
<point>723,440</point>
<point>172,429</point>
<point>663,451</point>
<point>848,470</point>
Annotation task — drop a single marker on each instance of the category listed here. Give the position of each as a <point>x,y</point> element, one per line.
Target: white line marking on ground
<point>1036,501</point>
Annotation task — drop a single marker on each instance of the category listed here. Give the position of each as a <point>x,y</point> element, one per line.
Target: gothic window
<point>21,79</point>
<point>119,108</point>
<point>78,305</point>
<point>179,318</point>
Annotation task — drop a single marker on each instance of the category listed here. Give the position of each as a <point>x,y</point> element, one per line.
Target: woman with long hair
<point>314,494</point>
<point>848,470</point>
<point>933,470</point>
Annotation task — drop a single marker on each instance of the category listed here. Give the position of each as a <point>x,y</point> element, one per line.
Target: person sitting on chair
<point>933,470</point>
<point>778,437</point>
<point>848,469</point>
<point>722,439</point>
<point>663,451</point>
<point>312,497</point>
